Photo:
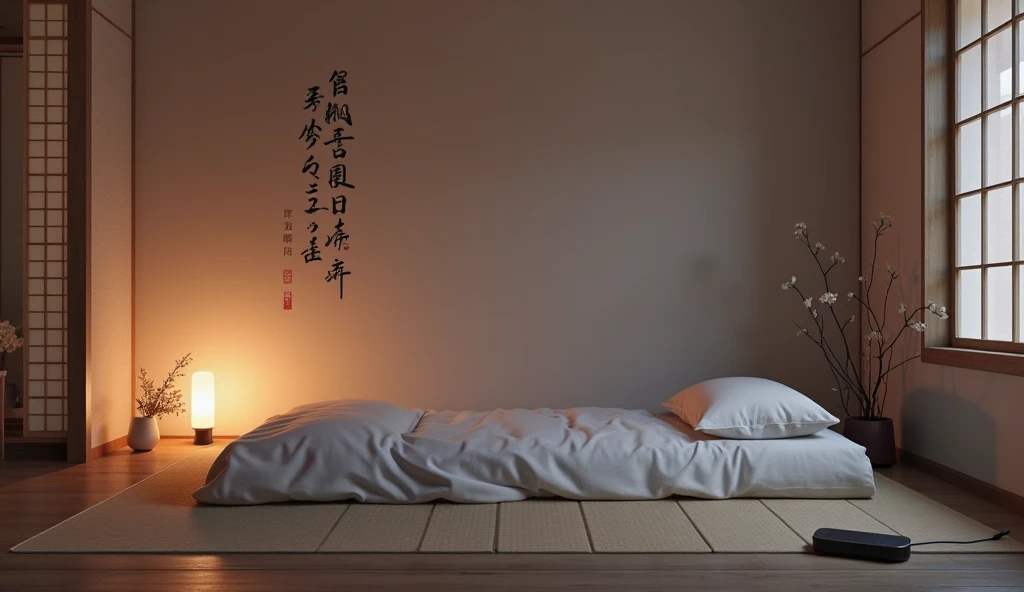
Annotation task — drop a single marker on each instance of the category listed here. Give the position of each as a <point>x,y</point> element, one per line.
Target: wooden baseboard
<point>190,437</point>
<point>1006,499</point>
<point>44,451</point>
<point>104,449</point>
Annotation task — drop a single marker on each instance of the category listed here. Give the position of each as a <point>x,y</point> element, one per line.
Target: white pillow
<point>749,409</point>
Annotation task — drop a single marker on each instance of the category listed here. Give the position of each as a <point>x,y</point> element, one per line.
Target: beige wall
<point>554,206</point>
<point>964,419</point>
<point>109,375</point>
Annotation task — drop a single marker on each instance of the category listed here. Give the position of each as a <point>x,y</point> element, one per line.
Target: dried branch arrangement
<point>166,399</point>
<point>861,381</point>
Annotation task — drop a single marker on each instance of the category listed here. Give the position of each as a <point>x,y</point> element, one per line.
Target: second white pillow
<point>747,408</point>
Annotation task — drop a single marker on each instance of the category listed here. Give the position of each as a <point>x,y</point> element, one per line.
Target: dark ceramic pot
<point>876,435</point>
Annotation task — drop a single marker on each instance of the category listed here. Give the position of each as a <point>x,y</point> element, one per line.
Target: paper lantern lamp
<point>202,407</point>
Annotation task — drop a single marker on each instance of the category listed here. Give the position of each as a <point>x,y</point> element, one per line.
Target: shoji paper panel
<point>46,222</point>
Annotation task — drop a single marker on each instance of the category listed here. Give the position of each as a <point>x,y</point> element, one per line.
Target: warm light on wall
<point>203,407</point>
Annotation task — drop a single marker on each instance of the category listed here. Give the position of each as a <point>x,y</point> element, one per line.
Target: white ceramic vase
<point>143,434</point>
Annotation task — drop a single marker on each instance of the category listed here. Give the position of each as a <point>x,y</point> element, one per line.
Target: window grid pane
<point>46,217</point>
<point>988,119</point>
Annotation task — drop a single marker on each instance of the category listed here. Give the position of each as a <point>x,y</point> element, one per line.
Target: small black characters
<point>287,236</point>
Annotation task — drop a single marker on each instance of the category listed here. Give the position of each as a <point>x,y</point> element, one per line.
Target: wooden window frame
<point>938,97</point>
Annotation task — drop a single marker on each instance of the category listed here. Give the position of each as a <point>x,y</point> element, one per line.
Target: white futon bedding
<point>376,452</point>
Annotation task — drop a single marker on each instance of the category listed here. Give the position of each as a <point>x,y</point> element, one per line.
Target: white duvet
<point>376,452</point>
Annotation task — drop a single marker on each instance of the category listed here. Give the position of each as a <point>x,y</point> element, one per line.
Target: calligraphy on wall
<point>327,189</point>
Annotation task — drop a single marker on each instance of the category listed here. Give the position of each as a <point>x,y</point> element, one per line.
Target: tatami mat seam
<point>679,503</point>
<point>426,527</point>
<point>783,521</point>
<point>331,531</point>
<point>497,528</point>
<point>679,506</point>
<point>868,514</point>
<point>586,527</point>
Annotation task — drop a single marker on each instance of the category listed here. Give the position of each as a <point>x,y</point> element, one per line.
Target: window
<point>987,282</point>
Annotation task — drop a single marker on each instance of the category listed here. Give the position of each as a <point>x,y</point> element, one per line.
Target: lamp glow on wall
<point>203,407</point>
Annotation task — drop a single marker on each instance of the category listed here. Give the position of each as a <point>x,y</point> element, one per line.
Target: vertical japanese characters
<point>286,238</point>
<point>330,145</point>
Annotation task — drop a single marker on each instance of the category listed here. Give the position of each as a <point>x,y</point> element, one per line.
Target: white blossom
<point>9,340</point>
<point>874,343</point>
<point>884,221</point>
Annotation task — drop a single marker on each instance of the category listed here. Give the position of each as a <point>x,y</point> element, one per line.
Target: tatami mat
<point>806,516</point>
<point>542,526</point>
<point>460,528</point>
<point>921,518</point>
<point>741,526</point>
<point>641,527</point>
<point>376,528</point>
<point>158,515</point>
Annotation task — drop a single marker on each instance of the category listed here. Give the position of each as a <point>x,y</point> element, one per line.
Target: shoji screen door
<point>46,322</point>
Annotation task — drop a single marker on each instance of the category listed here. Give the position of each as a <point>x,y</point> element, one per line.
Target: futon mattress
<point>370,451</point>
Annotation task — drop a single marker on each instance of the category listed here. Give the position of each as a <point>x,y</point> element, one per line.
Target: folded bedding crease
<point>371,451</point>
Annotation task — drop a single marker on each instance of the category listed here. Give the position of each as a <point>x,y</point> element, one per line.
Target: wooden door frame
<point>78,224</point>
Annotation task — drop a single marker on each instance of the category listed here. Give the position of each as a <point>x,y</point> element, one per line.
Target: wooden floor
<point>37,495</point>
